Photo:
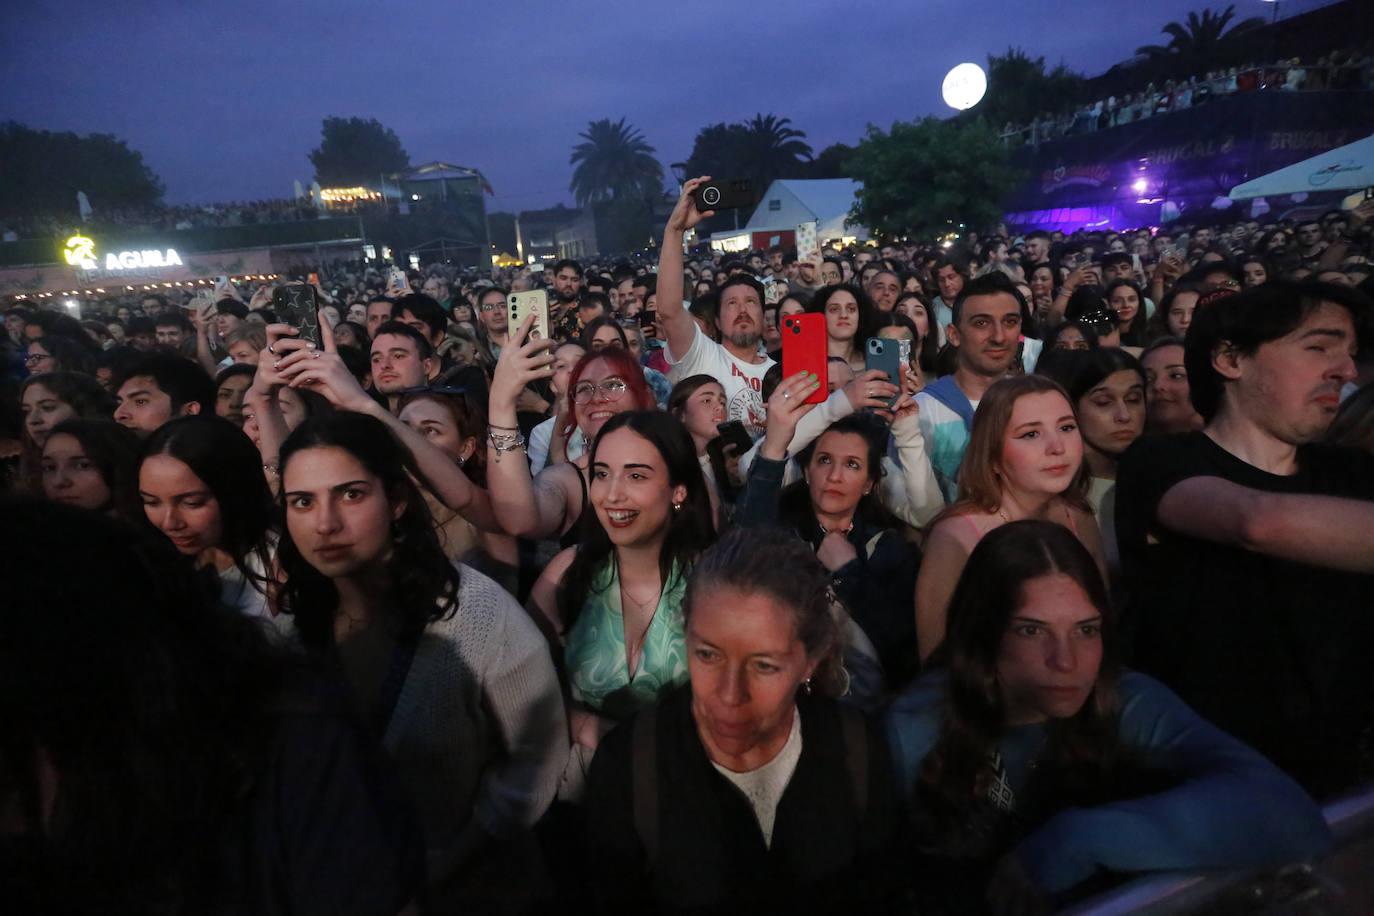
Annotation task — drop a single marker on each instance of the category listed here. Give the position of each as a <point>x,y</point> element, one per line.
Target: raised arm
<point>673,320</point>
<point>261,398</point>
<point>758,503</point>
<point>324,372</point>
<point>527,507</point>
<point>1324,531</point>
<point>1212,817</point>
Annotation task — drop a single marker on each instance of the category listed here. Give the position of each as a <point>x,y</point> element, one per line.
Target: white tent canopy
<point>1341,169</point>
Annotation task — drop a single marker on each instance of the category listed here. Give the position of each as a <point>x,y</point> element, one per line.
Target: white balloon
<point>964,86</point>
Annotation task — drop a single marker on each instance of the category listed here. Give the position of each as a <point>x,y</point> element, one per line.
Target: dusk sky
<point>225,101</point>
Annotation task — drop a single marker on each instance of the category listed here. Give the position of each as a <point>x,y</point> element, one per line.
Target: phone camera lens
<point>710,195</point>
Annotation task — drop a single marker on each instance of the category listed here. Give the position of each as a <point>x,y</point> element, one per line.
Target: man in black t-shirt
<point>1248,547</point>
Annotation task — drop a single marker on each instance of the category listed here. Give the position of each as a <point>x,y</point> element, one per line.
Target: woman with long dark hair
<point>93,464</point>
<point>850,319</point>
<point>46,400</point>
<point>448,669</point>
<point>202,486</point>
<point>615,599</point>
<point>1127,300</point>
<point>836,508</point>
<point>160,757</point>
<point>1033,761</point>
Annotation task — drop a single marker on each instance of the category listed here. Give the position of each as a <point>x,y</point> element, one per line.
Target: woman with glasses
<point>551,503</point>
<point>55,353</point>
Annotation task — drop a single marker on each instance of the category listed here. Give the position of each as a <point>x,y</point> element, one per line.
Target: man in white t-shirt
<point>736,362</point>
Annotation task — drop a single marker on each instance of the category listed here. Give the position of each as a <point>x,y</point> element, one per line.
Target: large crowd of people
<point>1342,70</point>
<point>614,606</point>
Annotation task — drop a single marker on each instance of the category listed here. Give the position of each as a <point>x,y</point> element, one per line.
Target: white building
<point>788,204</point>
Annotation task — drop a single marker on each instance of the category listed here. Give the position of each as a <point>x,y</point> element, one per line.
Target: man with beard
<point>1246,545</point>
<point>985,329</point>
<point>567,287</point>
<point>736,362</point>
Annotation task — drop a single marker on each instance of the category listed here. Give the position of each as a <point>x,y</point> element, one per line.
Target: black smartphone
<point>731,194</point>
<point>648,318</point>
<point>732,432</point>
<point>298,304</point>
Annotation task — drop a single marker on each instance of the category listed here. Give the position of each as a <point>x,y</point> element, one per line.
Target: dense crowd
<point>1353,69</point>
<point>466,605</point>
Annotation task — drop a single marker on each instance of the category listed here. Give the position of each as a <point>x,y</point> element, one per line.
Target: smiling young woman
<point>615,599</point>
<point>1033,762</point>
<point>1024,460</point>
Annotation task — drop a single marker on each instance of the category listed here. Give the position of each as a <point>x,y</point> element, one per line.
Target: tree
<point>1204,41</point>
<point>1019,89</point>
<point>831,162</point>
<point>926,178</point>
<point>354,152</point>
<point>44,170</point>
<point>773,149</point>
<point>613,162</point>
<point>719,151</point>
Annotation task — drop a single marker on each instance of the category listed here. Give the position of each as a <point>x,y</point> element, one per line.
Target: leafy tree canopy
<point>1019,89</point>
<point>44,170</point>
<point>1202,41</point>
<point>354,152</point>
<point>923,179</point>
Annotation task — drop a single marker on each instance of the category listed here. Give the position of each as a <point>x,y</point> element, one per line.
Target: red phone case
<point>804,350</point>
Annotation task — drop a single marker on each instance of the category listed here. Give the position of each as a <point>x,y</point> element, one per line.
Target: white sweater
<point>479,728</point>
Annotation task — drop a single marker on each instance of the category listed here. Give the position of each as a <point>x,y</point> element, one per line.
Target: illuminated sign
<point>80,252</point>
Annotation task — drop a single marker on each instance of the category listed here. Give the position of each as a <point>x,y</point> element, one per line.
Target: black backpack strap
<point>856,755</point>
<point>644,776</point>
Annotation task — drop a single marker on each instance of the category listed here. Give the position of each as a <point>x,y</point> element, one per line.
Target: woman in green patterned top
<point>615,600</point>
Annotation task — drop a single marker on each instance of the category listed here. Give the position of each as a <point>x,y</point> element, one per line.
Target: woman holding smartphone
<point>850,319</point>
<point>836,508</point>
<point>603,384</point>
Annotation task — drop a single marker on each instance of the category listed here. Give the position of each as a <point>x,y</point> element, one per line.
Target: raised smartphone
<point>520,305</point>
<point>804,350</point>
<point>298,304</point>
<point>734,433</point>
<point>885,356</point>
<point>730,194</point>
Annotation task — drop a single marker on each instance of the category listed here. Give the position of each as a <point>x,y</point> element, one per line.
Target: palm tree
<point>1204,40</point>
<point>773,149</point>
<point>614,162</point>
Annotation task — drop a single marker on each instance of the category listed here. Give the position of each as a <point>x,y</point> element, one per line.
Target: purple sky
<point>226,103</point>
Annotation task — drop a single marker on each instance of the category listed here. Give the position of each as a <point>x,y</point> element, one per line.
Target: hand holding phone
<point>298,304</point>
<point>804,350</point>
<point>532,302</point>
<point>396,283</point>
<point>732,432</point>
<point>884,355</point>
